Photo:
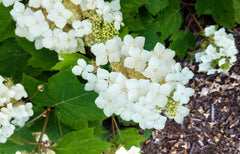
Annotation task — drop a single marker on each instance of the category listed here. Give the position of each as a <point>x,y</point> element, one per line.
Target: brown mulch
<point>213,125</point>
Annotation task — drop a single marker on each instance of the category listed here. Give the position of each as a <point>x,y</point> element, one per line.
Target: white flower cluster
<point>142,85</point>
<point>55,25</point>
<point>12,111</point>
<point>132,150</point>
<point>219,51</point>
<point>8,2</point>
<point>110,10</point>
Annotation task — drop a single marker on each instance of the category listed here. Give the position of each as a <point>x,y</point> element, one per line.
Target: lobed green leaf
<point>130,137</point>
<point>7,25</point>
<point>69,61</point>
<point>170,19</point>
<point>222,11</point>
<point>42,58</point>
<point>13,60</point>
<point>236,4</point>
<point>74,106</point>
<point>151,35</point>
<point>182,41</point>
<point>79,142</point>
<point>154,6</point>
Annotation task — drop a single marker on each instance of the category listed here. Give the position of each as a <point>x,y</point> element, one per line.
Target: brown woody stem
<point>113,131</point>
<point>43,129</point>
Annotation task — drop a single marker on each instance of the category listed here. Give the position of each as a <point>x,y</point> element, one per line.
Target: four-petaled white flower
<point>36,23</point>
<point>182,94</point>
<point>158,94</point>
<point>82,68</point>
<point>107,103</point>
<point>82,28</point>
<point>109,52</point>
<point>59,14</point>
<point>137,59</point>
<point>137,42</point>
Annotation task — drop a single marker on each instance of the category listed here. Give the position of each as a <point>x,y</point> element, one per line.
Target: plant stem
<point>43,129</point>
<point>39,116</point>
<point>60,127</point>
<point>117,128</point>
<point>113,131</point>
<point>194,18</point>
<point>26,141</point>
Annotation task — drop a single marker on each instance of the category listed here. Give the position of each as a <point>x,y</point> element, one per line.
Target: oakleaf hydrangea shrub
<point>14,112</point>
<point>143,86</point>
<point>66,26</point>
<point>218,52</point>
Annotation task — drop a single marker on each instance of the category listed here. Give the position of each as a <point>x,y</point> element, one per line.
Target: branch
<point>39,116</point>
<point>43,129</point>
<point>26,141</point>
<point>113,131</point>
<point>194,18</point>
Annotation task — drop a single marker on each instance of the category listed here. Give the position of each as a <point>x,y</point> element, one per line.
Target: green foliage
<point>69,61</point>
<point>151,35</point>
<point>7,25</point>
<point>222,11</point>
<point>130,137</point>
<point>79,110</point>
<point>236,4</point>
<point>131,4</point>
<point>133,21</point>
<point>155,6</point>
<point>74,106</point>
<point>13,60</point>
<point>155,20</point>
<point>42,58</point>
<point>79,142</point>
<point>170,19</point>
<point>55,128</point>
<point>17,142</point>
<point>182,41</point>
<point>33,71</point>
<point>131,18</point>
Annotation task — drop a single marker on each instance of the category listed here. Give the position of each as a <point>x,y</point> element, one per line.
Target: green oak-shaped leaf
<point>74,106</point>
<point>13,60</point>
<point>131,4</point>
<point>154,6</point>
<point>17,141</point>
<point>151,36</point>
<point>69,61</point>
<point>7,25</point>
<point>146,18</point>
<point>182,41</point>
<point>42,58</point>
<point>133,22</point>
<point>131,18</point>
<point>80,142</point>
<point>170,19</point>
<point>236,4</point>
<point>130,137</point>
<point>222,11</point>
